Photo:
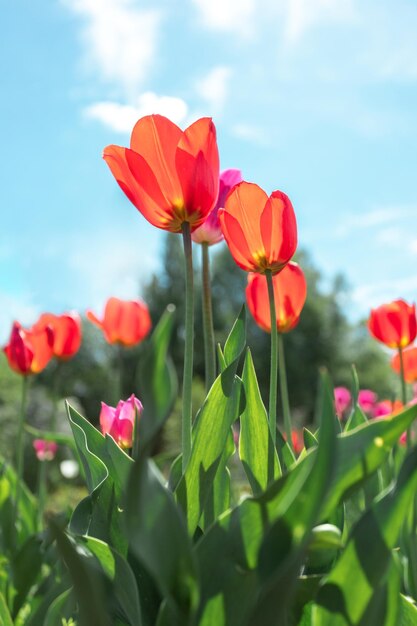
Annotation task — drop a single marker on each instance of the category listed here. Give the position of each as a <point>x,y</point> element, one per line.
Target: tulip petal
<point>236,241</point>
<point>246,203</point>
<point>107,416</point>
<point>279,229</point>
<point>138,182</point>
<point>155,138</point>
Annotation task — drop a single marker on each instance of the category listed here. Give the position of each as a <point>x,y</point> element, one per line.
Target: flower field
<point>259,520</point>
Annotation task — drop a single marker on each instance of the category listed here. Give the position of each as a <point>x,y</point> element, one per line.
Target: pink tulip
<point>367,400</point>
<point>210,232</point>
<point>45,450</point>
<point>119,421</point>
<point>342,399</point>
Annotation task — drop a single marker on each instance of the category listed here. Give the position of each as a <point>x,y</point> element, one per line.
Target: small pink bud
<point>45,450</point>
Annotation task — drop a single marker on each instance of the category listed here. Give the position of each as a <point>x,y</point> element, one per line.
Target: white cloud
<point>251,133</point>
<point>227,15</point>
<point>119,39</point>
<point>302,15</point>
<point>371,219</point>
<point>122,117</point>
<point>386,291</point>
<point>213,88</point>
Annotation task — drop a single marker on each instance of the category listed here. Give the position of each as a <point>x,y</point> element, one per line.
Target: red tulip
<point>119,421</point>
<point>125,321</point>
<point>410,364</point>
<point>170,175</point>
<point>394,324</point>
<point>290,291</point>
<point>210,232</point>
<point>29,351</point>
<point>45,450</point>
<point>261,232</point>
<point>67,333</point>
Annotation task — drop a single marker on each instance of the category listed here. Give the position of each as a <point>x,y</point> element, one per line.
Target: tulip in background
<point>66,333</point>
<point>289,289</point>
<point>409,363</point>
<point>125,322</point>
<point>29,351</point>
<point>290,292</point>
<point>45,450</point>
<point>119,421</point>
<point>386,407</point>
<point>342,400</point>
<point>394,324</point>
<point>367,400</point>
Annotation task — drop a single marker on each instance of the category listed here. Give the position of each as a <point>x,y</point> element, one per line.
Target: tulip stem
<point>284,391</point>
<point>274,360</point>
<point>209,349</point>
<point>42,491</point>
<point>120,373</point>
<point>20,454</point>
<point>404,391</point>
<point>189,347</point>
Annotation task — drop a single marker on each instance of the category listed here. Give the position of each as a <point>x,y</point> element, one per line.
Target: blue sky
<point>314,97</point>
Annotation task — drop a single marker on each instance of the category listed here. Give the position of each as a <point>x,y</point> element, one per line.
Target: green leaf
<point>255,439</point>
<point>310,440</point>
<point>236,341</point>
<point>356,418</point>
<point>361,451</point>
<point>212,429</point>
<point>218,498</point>
<point>367,554</point>
<point>61,607</point>
<point>91,446</point>
<point>159,539</point>
<point>158,385</point>
<point>5,617</point>
<point>87,582</point>
<point>100,514</point>
<point>408,612</point>
<point>283,548</point>
<point>26,566</point>
<point>284,513</point>
<point>27,507</point>
<point>119,573</point>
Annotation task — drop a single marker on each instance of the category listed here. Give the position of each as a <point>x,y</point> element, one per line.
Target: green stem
<point>274,360</point>
<point>55,396</point>
<point>119,366</point>
<point>284,391</point>
<point>189,347</point>
<point>20,453</point>
<point>404,392</point>
<point>41,492</point>
<point>209,349</point>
